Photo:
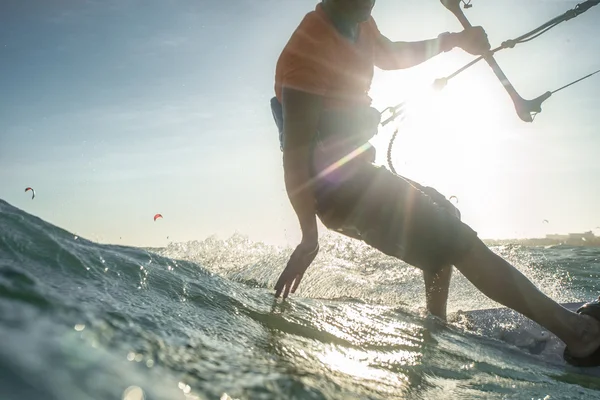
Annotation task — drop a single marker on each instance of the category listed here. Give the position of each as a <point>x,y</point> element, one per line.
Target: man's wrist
<point>448,41</point>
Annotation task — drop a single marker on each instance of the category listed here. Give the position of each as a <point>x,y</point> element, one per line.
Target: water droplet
<point>130,356</point>
<point>79,327</point>
<point>133,393</point>
<point>150,363</point>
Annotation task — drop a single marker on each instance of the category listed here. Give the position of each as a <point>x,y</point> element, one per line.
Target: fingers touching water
<point>294,271</point>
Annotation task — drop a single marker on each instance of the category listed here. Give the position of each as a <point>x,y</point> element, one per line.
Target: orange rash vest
<point>319,60</point>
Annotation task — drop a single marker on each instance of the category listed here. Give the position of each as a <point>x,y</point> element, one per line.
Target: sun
<point>444,132</point>
<point>460,140</point>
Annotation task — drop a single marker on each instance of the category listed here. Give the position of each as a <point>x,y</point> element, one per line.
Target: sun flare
<point>458,121</point>
<point>459,139</point>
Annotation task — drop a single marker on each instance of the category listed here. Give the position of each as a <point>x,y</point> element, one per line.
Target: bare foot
<point>589,338</point>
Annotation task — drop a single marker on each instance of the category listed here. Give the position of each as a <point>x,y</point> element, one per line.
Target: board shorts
<point>393,214</point>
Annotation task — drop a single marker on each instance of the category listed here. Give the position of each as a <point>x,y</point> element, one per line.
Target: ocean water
<point>81,320</point>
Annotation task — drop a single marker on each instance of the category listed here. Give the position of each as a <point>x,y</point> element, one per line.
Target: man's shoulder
<point>313,32</point>
<point>313,19</point>
<point>371,27</point>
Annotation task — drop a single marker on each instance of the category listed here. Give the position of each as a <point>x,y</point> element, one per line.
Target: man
<point>325,121</point>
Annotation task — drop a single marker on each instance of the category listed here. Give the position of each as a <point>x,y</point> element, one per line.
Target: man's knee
<point>474,254</point>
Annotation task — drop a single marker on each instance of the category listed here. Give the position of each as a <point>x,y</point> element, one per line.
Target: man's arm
<point>401,55</point>
<point>301,113</point>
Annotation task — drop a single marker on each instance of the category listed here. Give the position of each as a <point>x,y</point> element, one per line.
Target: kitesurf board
<point>513,328</point>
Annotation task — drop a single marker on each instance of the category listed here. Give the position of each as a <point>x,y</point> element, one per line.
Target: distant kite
<point>157,216</point>
<point>545,221</point>
<point>455,199</point>
<point>32,192</point>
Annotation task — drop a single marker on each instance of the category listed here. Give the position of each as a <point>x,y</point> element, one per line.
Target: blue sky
<point>115,110</point>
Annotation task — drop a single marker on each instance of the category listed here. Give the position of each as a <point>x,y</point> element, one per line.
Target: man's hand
<point>473,40</point>
<point>299,262</point>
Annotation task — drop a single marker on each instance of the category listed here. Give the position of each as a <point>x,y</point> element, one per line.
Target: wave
<point>83,320</point>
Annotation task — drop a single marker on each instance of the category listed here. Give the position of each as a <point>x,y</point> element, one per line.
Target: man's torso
<point>318,59</point>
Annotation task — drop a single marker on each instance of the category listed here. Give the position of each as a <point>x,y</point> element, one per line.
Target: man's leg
<point>437,283</point>
<point>490,273</point>
<point>436,290</point>
<point>390,210</point>
<point>502,282</point>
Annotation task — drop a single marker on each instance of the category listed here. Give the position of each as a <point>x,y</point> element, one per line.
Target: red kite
<point>32,192</point>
